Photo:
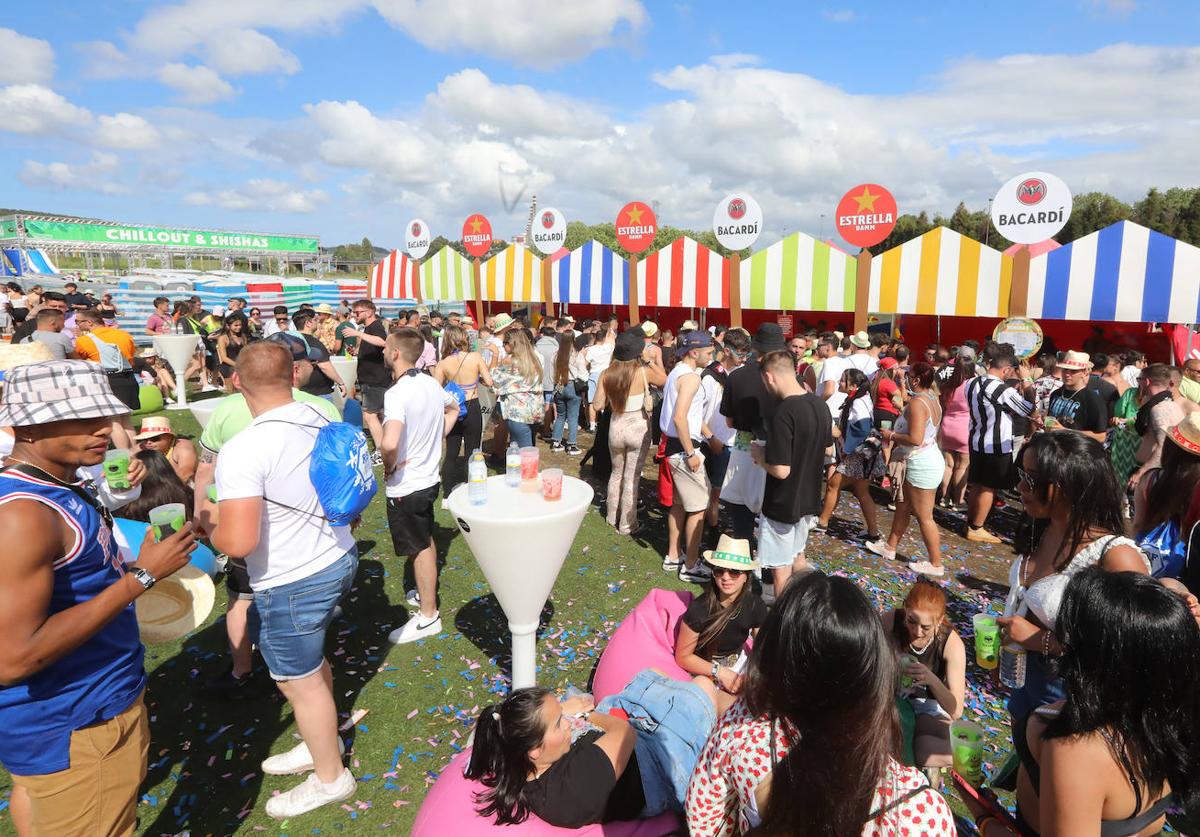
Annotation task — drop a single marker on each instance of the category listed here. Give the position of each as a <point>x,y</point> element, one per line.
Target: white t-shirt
<point>863,362</point>
<point>418,402</point>
<point>832,369</point>
<point>712,390</point>
<point>270,459</point>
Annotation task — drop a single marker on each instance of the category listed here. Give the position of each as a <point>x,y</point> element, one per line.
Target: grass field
<point>204,773</point>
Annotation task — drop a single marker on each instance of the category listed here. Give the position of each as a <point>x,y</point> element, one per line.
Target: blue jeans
<point>566,408</point>
<point>288,622</point>
<point>1042,687</point>
<point>520,432</point>
<point>673,719</point>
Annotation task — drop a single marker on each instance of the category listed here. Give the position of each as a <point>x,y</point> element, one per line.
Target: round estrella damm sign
<point>737,221</point>
<point>477,235</point>
<point>866,215</point>
<point>416,241</point>
<point>1031,207</point>
<point>636,227</point>
<point>548,232</point>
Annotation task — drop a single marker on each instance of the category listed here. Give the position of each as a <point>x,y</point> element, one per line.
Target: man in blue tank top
<point>76,732</point>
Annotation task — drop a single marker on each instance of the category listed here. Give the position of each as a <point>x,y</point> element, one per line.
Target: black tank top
<point>932,657</point>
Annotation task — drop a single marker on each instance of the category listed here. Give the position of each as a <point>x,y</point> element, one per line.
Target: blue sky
<point>348,117</point>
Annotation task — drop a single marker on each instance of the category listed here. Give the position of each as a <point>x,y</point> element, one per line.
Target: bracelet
<point>981,823</point>
<point>1046,643</point>
<point>716,671</point>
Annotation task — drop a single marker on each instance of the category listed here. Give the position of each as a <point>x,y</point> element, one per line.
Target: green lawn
<point>204,757</point>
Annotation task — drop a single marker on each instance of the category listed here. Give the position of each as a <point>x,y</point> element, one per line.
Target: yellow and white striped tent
<point>941,272</point>
<point>512,275</point>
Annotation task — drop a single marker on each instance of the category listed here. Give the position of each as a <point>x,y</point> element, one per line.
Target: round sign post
<point>1028,209</point>
<point>865,216</point>
<point>416,242</point>
<point>1022,333</point>
<point>635,227</point>
<point>477,239</point>
<point>548,235</point>
<point>737,223</point>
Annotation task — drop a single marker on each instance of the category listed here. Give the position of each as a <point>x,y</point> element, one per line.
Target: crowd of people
<point>754,436</point>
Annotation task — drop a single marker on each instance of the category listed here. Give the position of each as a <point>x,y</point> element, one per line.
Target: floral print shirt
<point>520,400</point>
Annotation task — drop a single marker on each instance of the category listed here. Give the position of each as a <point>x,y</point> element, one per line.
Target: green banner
<point>8,229</point>
<point>63,231</point>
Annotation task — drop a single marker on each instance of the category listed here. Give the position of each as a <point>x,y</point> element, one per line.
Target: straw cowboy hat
<point>155,426</point>
<point>860,340</point>
<point>176,605</point>
<point>649,328</point>
<point>1186,434</point>
<point>1075,361</point>
<point>732,554</point>
<point>502,322</point>
<point>12,356</point>
<point>148,352</point>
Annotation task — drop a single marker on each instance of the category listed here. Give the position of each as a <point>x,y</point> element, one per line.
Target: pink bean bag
<point>449,809</point>
<point>644,639</point>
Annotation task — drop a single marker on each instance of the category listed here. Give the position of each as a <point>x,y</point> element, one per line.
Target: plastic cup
<point>552,484</point>
<point>885,425</point>
<point>167,520</point>
<point>987,640</point>
<point>529,464</point>
<point>116,469</point>
<point>966,744</point>
<point>906,660</point>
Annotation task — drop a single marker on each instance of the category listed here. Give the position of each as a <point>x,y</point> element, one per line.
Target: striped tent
<point>684,274</point>
<point>941,272</point>
<point>591,274</point>
<point>446,276</point>
<point>394,278</point>
<point>799,273</point>
<point>1123,273</point>
<point>512,275</point>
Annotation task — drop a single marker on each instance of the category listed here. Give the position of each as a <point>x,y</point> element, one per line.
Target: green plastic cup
<point>966,745</point>
<point>987,640</point>
<point>167,520</point>
<point>906,660</point>
<point>116,469</point>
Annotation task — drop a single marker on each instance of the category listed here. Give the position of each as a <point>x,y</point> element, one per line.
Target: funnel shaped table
<point>347,367</point>
<point>178,350</point>
<point>520,542</point>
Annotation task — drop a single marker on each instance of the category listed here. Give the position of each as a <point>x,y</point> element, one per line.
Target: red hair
<point>926,597</point>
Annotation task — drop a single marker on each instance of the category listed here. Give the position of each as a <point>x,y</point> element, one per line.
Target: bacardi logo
<point>547,220</point>
<point>416,230</point>
<point>1032,191</point>
<point>737,209</point>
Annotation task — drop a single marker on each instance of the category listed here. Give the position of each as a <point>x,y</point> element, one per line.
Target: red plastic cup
<point>552,484</point>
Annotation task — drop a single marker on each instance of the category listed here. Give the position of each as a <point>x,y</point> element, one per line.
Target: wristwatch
<point>143,578</point>
<point>716,670</point>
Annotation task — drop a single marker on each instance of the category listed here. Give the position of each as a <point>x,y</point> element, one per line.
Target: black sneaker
<point>556,447</point>
<point>228,687</point>
<point>572,450</point>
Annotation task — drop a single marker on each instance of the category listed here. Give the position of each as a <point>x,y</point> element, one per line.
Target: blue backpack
<point>340,470</point>
<point>1166,549</point>
<point>456,392</point>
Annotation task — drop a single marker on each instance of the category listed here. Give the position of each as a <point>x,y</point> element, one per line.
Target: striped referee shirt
<point>993,403</point>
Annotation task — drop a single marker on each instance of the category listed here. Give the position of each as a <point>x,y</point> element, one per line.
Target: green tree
<point>1155,212</point>
<point>1092,211</point>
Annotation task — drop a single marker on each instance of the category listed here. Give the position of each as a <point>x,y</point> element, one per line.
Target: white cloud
<point>261,194</point>
<point>93,176</point>
<point>246,51</point>
<point>34,109</point>
<point>105,60</point>
<point>470,97</point>
<point>535,33</point>
<point>197,85</point>
<point>24,60</point>
<point>126,131</point>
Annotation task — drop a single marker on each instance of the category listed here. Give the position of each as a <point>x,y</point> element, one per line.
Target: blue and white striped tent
<point>590,274</point>
<point>1122,273</point>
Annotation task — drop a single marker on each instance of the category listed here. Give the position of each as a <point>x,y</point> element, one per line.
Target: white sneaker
<point>209,388</point>
<point>413,598</point>
<point>881,549</point>
<point>310,795</point>
<point>416,628</point>
<point>699,574</point>
<point>296,760</point>
<point>926,568</point>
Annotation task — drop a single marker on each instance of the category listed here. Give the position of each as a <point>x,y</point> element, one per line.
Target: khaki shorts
<point>98,793</point>
<point>691,487</point>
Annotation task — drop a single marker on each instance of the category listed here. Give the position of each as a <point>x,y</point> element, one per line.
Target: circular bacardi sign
<point>737,221</point>
<point>416,238</point>
<point>549,231</point>
<point>1031,207</point>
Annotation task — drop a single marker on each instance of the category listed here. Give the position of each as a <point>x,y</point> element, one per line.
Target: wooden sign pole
<point>417,281</point>
<point>862,290</point>
<point>1018,293</point>
<point>478,293</point>
<point>735,290</point>
<point>546,289</point>
<point>633,292</point>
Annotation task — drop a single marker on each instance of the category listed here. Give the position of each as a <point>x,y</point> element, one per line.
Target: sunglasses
<point>1029,480</point>
<point>726,571</point>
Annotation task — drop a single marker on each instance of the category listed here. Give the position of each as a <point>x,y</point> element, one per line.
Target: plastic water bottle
<point>512,466</point>
<point>1012,666</point>
<point>477,479</point>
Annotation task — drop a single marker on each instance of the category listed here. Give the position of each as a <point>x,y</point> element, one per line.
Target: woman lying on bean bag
<point>621,770</point>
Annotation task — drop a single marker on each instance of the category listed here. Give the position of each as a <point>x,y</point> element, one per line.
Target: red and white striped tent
<point>684,274</point>
<point>394,278</point>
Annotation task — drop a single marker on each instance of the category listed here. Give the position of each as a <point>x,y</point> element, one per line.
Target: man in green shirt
<point>349,342</point>
<point>231,417</point>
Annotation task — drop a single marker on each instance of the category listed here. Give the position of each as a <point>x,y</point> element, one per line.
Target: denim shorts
<point>288,622</point>
<point>780,543</point>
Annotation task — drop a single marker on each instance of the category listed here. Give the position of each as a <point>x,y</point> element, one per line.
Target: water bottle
<point>477,479</point>
<point>1012,666</point>
<point>512,466</point>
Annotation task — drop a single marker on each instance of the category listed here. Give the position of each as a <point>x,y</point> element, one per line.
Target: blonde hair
<point>525,359</point>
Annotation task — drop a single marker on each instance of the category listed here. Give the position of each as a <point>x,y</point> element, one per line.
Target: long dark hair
<point>823,667</point>
<point>721,617</point>
<point>504,734</point>
<point>1172,491</point>
<point>161,486</point>
<point>1079,467</point>
<point>964,370</point>
<point>562,360</point>
<point>1130,647</point>
<point>859,389</point>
